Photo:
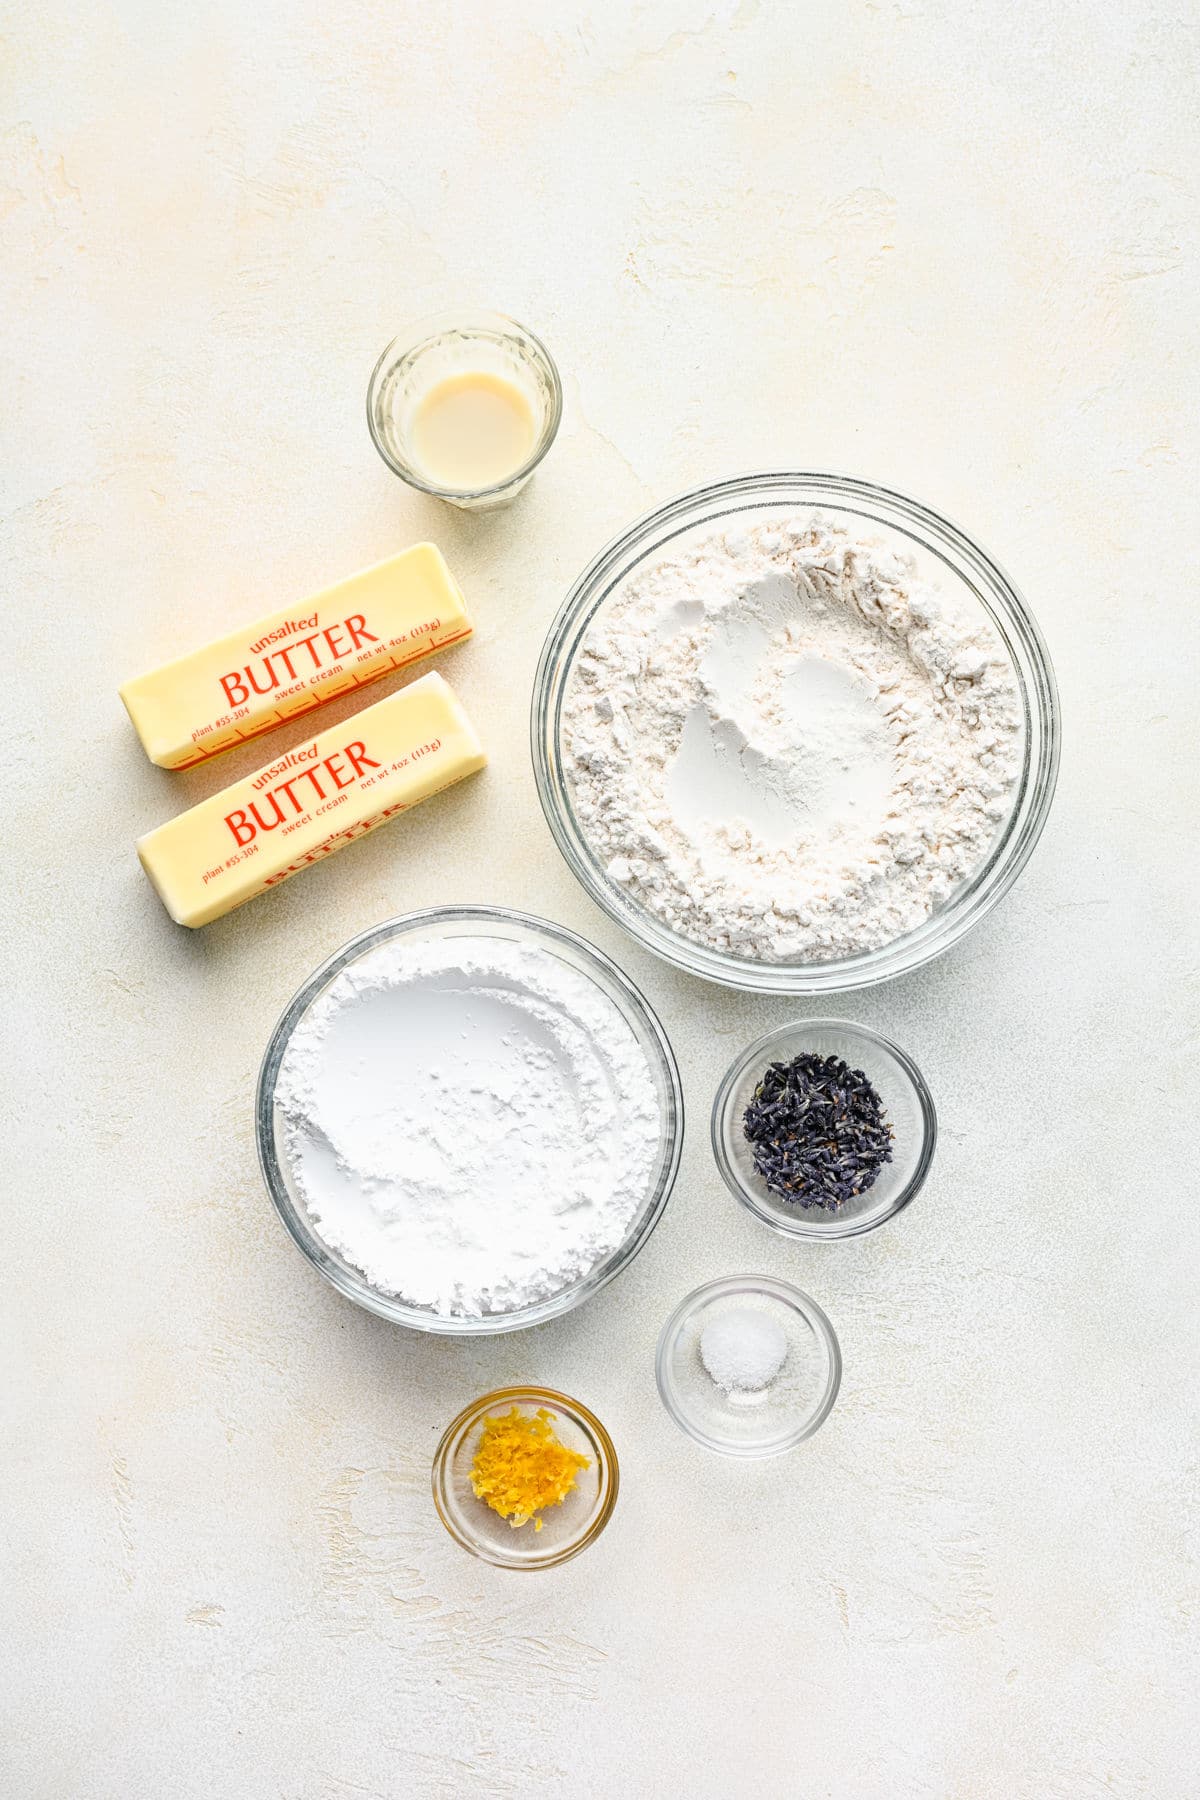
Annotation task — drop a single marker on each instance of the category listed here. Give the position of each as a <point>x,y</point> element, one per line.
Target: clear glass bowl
<point>472,921</point>
<point>447,344</point>
<point>566,1529</point>
<point>757,1423</point>
<point>908,1107</point>
<point>944,554</point>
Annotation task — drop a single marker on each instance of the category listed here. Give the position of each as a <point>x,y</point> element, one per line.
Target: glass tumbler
<point>456,343</point>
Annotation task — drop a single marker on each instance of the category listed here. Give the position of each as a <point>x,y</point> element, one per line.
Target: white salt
<point>743,1349</point>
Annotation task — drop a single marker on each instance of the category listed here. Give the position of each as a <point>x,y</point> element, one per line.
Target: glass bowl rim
<point>464,319</point>
<point>822,1329</point>
<point>565,1403</point>
<point>802,1227</point>
<point>1010,615</point>
<point>358,1289</point>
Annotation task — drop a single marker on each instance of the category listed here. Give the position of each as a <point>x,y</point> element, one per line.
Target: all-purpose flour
<point>786,746</point>
<point>471,1122</point>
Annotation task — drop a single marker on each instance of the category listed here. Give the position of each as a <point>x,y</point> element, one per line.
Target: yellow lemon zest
<point>520,1467</point>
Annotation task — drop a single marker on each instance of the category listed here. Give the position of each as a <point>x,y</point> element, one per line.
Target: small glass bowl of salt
<point>748,1365</point>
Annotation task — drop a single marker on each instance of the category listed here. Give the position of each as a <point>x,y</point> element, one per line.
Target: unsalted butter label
<point>310,802</point>
<point>258,678</point>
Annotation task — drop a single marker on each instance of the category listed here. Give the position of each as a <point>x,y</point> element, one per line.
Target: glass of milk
<point>464,406</point>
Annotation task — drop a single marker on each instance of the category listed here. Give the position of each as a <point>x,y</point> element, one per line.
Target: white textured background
<point>949,246</point>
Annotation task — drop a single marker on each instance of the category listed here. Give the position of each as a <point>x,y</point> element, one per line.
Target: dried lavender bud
<point>817,1130</point>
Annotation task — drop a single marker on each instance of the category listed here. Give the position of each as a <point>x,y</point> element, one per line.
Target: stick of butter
<point>258,678</point>
<point>311,801</point>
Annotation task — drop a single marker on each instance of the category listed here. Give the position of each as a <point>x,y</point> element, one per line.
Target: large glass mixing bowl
<point>945,556</point>
<point>473,922</point>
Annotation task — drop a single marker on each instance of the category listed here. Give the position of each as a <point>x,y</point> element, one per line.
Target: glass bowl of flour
<point>469,1120</point>
<point>795,732</point>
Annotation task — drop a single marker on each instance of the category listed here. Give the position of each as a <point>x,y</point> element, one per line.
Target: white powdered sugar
<point>471,1122</point>
<point>787,746</point>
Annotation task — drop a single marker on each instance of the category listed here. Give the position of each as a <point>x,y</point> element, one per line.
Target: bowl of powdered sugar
<point>794,732</point>
<point>469,1120</point>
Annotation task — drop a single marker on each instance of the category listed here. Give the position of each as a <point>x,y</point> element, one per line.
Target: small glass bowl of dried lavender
<point>823,1129</point>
